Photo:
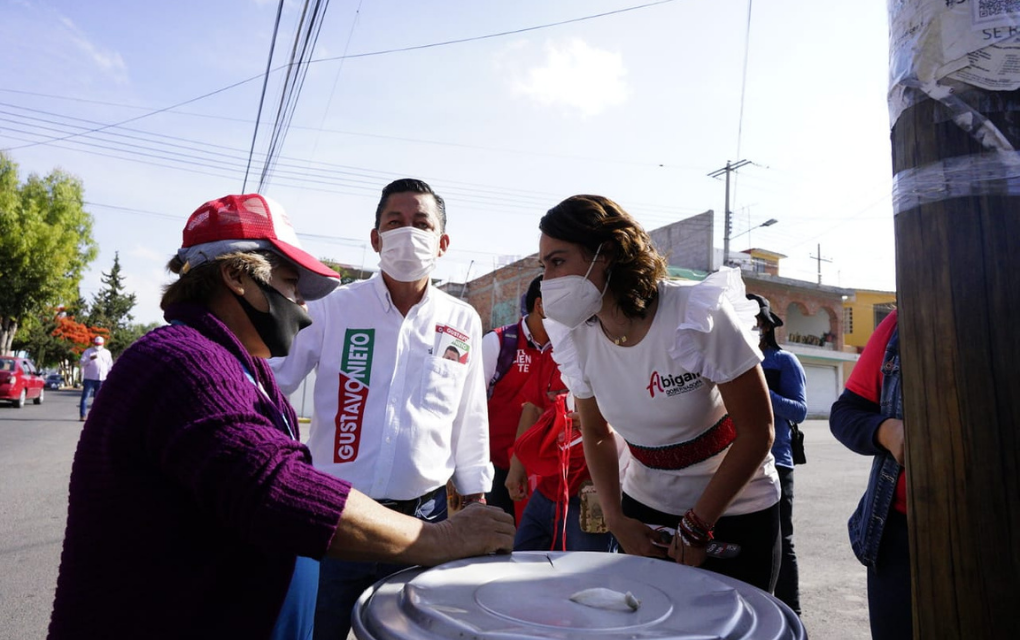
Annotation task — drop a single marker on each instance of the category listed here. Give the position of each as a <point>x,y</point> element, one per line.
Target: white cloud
<point>108,61</point>
<point>574,75</point>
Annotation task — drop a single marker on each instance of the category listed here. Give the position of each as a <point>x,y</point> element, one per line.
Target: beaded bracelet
<point>693,531</point>
<point>697,521</point>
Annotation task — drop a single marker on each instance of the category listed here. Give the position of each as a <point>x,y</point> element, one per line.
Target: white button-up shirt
<point>96,363</point>
<point>392,415</point>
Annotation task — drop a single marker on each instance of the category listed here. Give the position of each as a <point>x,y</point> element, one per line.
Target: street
<point>37,445</point>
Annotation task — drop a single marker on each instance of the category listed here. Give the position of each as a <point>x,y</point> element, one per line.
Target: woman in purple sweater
<point>195,511</point>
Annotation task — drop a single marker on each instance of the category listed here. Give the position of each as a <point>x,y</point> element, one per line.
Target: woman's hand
<point>686,554</point>
<point>890,436</point>
<point>637,538</point>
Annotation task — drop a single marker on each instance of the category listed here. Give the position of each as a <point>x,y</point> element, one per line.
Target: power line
<point>336,78</point>
<point>362,55</point>
<point>262,98</point>
<point>153,145</point>
<point>743,79</point>
<point>320,129</point>
<point>292,89</point>
<point>499,34</point>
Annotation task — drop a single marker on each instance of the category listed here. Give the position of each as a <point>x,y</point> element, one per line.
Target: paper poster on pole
<point>972,41</point>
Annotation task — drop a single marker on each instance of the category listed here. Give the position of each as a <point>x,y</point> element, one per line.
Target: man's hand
<point>890,436</point>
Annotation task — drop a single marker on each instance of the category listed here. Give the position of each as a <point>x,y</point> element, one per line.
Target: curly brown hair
<point>197,286</point>
<point>633,262</point>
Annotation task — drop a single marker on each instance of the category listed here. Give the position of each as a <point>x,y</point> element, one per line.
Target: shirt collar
<point>531,338</point>
<point>383,294</point>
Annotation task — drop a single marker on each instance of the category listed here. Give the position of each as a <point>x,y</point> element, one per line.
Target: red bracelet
<point>693,532</point>
<point>698,522</point>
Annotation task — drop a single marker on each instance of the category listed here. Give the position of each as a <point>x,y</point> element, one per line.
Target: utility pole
<point>955,161</point>
<point>728,224</point>
<point>818,256</point>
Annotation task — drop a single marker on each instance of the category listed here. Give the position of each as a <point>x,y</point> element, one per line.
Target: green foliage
<point>348,274</point>
<point>111,309</point>
<point>36,337</point>
<point>45,244</point>
<point>126,337</point>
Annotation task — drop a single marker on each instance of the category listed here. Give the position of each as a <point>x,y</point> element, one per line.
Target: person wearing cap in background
<point>95,365</point>
<point>391,414</point>
<point>194,509</point>
<point>788,392</point>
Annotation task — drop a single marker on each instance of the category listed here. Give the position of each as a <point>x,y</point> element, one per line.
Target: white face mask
<point>570,300</point>
<point>408,254</point>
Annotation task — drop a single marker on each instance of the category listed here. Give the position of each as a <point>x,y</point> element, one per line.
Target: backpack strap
<point>507,353</point>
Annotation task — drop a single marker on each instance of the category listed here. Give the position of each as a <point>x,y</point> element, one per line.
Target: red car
<point>19,381</point>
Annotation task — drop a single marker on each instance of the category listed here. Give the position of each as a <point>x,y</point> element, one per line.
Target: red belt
<point>684,454</point>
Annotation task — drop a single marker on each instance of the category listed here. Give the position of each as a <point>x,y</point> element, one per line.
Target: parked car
<point>54,380</point>
<point>19,381</point>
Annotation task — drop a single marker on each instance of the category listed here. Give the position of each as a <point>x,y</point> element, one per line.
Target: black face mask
<point>278,326</point>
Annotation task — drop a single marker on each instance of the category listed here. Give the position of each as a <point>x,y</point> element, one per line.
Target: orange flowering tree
<point>75,337</point>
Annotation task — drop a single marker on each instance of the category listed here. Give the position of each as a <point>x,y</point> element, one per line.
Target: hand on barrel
<point>637,538</point>
<point>476,530</point>
<point>686,554</point>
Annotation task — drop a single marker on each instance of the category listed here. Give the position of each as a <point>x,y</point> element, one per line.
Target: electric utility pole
<point>728,225</point>
<point>820,259</point>
<point>955,137</point>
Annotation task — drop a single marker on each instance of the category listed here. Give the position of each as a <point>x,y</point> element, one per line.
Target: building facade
<point>862,313</point>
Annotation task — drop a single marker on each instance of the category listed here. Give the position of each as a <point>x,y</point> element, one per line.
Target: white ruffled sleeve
<point>566,355</point>
<point>715,338</point>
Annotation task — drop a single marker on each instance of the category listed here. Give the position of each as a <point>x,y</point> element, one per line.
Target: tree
<point>347,273</point>
<point>35,336</point>
<point>45,244</point>
<point>126,337</point>
<point>75,338</point>
<point>111,308</point>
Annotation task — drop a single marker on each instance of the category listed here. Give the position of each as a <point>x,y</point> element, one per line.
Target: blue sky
<point>639,106</point>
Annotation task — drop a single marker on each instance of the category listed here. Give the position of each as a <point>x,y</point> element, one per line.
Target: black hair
<point>534,293</point>
<point>410,185</point>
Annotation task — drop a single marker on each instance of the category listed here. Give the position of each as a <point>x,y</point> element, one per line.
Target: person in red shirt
<point>543,524</point>
<point>507,379</point>
<point>868,419</point>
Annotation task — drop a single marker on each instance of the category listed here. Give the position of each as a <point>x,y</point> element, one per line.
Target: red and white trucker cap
<point>248,223</point>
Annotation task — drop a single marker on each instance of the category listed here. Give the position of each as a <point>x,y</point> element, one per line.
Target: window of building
<point>848,320</point>
<point>881,311</point>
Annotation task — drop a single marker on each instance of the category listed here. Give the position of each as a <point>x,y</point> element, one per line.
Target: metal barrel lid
<point>526,595</point>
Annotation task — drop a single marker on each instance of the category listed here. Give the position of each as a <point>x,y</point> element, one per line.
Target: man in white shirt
<point>396,413</point>
<point>95,364</point>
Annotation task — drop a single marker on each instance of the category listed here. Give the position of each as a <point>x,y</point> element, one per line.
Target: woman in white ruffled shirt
<point>674,367</point>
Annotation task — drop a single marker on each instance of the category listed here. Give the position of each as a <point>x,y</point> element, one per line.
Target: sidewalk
<point>833,584</point>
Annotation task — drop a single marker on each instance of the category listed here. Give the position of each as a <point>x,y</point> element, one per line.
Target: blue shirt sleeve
<point>855,420</point>
<point>789,401</point>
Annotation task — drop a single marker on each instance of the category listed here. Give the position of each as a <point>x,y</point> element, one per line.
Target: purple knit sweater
<point>189,502</point>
